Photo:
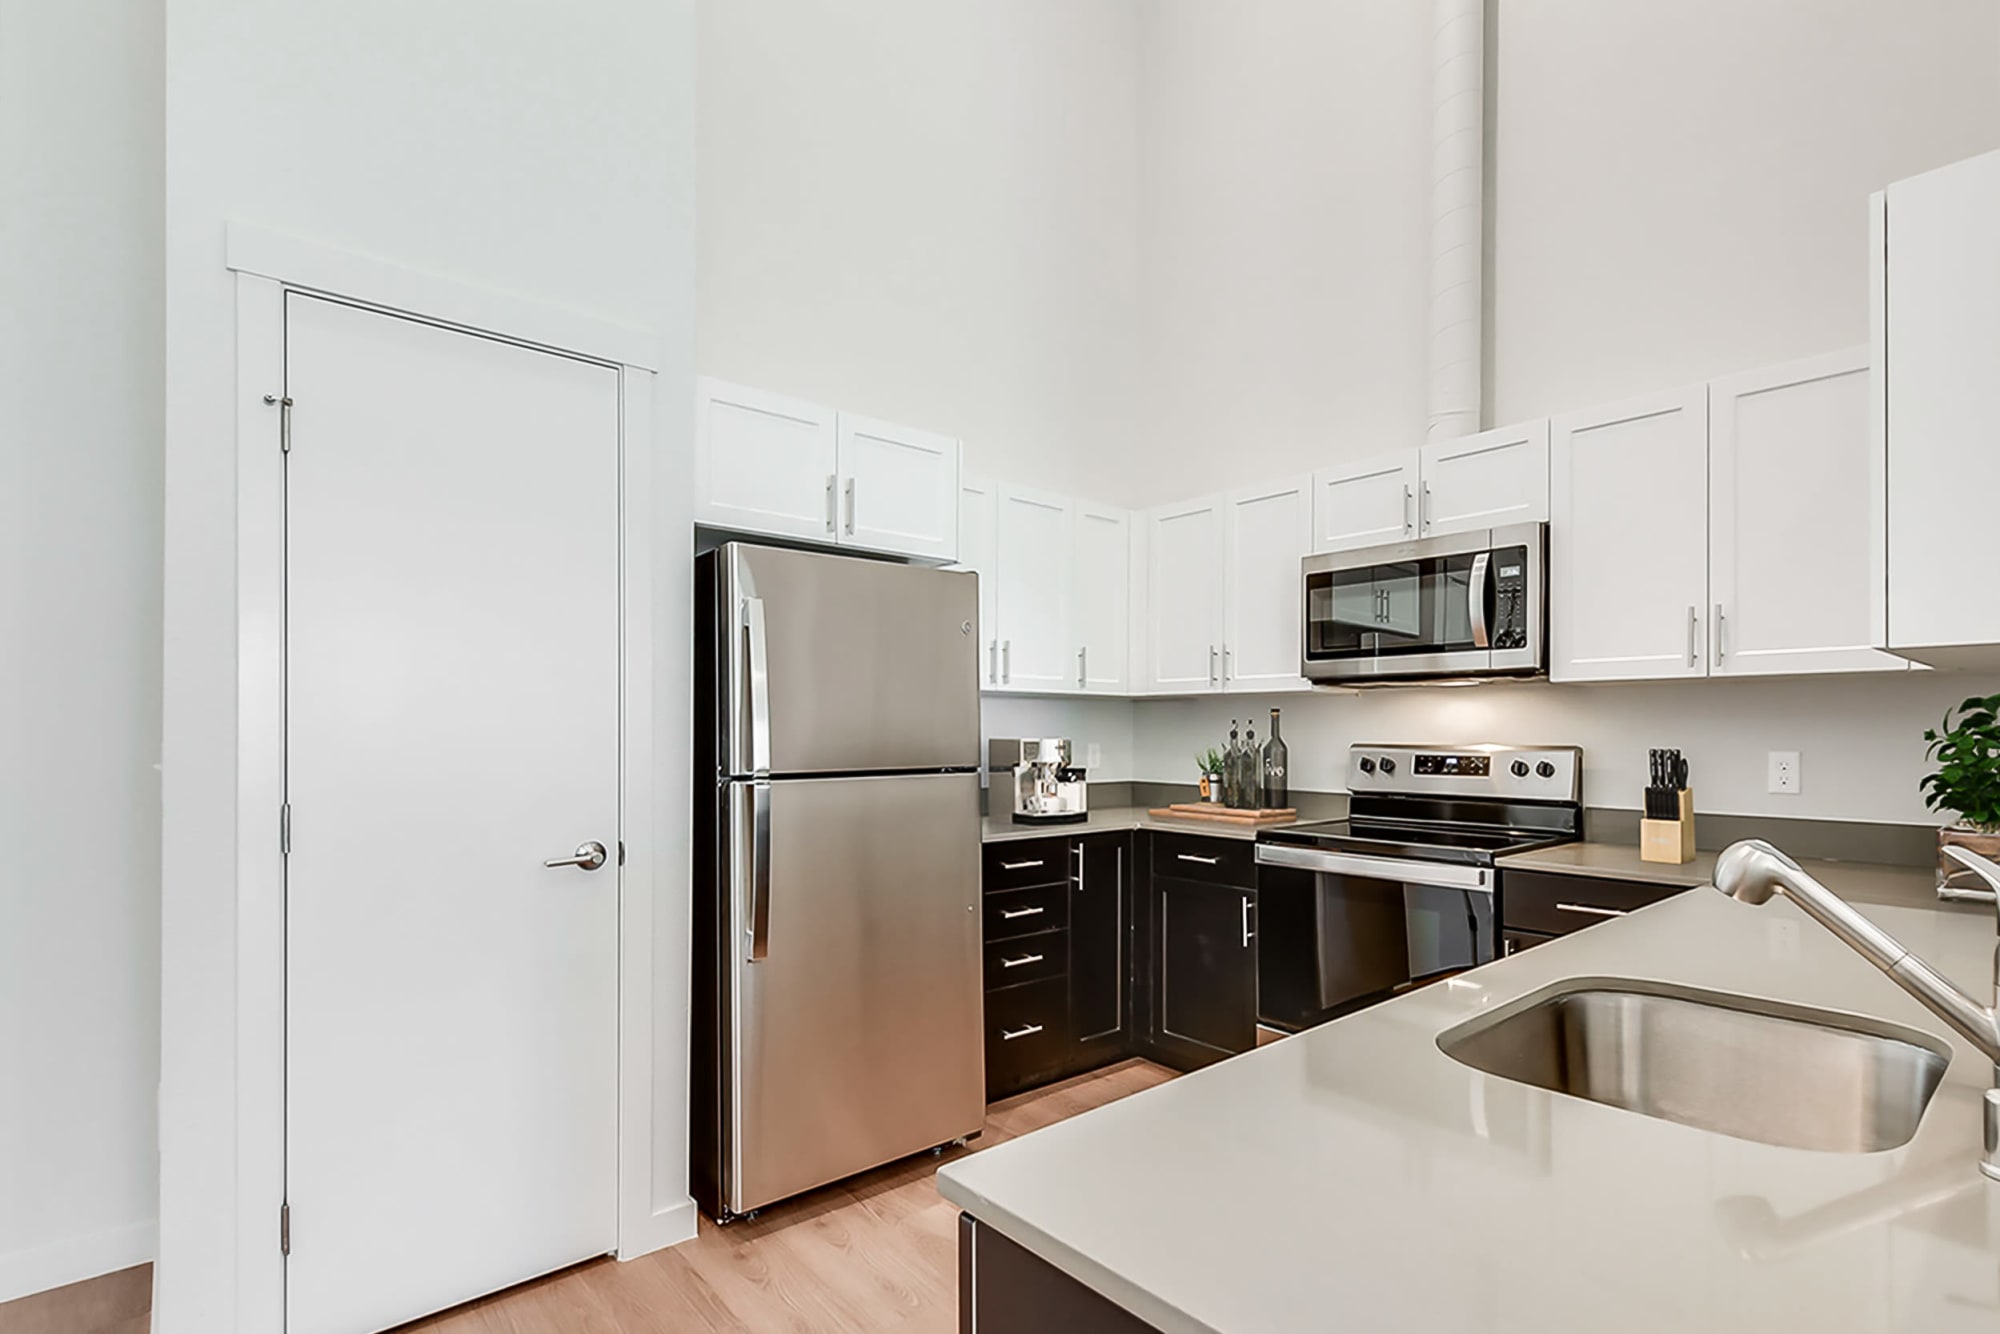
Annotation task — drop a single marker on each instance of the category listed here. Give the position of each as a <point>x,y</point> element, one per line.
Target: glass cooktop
<point>1413,842</point>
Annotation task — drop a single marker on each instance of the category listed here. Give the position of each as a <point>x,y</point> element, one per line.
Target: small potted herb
<point>1967,779</point>
<point>1209,762</point>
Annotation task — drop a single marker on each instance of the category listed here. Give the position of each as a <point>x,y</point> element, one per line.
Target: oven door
<point>1336,930</point>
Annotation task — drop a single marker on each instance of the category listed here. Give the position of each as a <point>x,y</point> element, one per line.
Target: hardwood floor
<point>879,1252</point>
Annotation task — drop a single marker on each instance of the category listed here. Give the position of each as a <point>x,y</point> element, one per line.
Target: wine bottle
<point>1277,760</point>
<point>1232,794</point>
<point>1250,787</point>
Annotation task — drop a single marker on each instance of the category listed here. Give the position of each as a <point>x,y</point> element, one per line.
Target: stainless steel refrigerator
<point>837,933</point>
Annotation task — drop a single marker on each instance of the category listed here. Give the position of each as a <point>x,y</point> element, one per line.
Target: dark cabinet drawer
<point>1027,1036</point>
<point>1211,861</point>
<point>1559,904</point>
<point>1023,912</point>
<point>1026,959</point>
<point>1026,861</point>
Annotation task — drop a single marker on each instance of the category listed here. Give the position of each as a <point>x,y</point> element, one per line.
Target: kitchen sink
<point>1752,1069</point>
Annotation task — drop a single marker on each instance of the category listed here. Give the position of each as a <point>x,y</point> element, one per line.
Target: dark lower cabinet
<point>1204,971</point>
<point>1540,905</point>
<point>1513,942</point>
<point>1100,929</point>
<point>1003,1288</point>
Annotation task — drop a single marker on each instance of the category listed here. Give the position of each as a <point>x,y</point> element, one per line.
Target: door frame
<point>653,935</point>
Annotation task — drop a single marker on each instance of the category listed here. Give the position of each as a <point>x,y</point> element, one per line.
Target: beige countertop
<point>1901,885</point>
<point>1000,828</point>
<point>1355,1177</point>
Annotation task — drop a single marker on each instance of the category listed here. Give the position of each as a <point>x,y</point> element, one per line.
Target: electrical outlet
<point>1784,772</point>
<point>1093,756</point>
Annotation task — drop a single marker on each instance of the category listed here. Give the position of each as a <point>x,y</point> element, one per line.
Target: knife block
<point>1669,841</point>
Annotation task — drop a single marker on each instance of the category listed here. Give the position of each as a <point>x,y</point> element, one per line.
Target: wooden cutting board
<point>1224,814</point>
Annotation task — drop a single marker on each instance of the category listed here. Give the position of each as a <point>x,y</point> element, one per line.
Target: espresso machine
<point>1048,789</point>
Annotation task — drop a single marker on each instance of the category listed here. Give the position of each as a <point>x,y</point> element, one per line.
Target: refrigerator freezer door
<point>856,1037</point>
<point>845,665</point>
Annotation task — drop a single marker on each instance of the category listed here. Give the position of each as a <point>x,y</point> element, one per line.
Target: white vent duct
<point>1458,233</point>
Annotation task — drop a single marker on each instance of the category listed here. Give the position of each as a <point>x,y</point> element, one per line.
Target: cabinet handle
<point>1213,678</point>
<point>1247,934</point>
<point>832,507</point>
<point>850,507</point>
<point>993,662</point>
<point>1225,665</point>
<point>1020,866</point>
<point>1199,861</point>
<point>1592,910</point>
<point>1023,961</point>
<point>1424,511</point>
<point>1009,914</point>
<point>1027,1030</point>
<point>1409,525</point>
<point>1694,626</point>
<point>1007,663</point>
<point>1081,674</point>
<point>1718,634</point>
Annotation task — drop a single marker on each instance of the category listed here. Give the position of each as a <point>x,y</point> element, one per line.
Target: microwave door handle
<point>1476,589</point>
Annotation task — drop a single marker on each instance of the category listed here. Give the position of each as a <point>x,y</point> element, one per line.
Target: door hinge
<point>285,830</point>
<point>285,1229</point>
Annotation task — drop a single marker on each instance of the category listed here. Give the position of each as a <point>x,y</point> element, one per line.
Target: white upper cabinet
<point>764,463</point>
<point>788,468</point>
<point>1485,480</point>
<point>1269,533</point>
<point>1936,306</point>
<point>1365,504</point>
<point>978,551</point>
<point>899,489</point>
<point>1184,596</point>
<point>1628,540</point>
<point>1789,500</point>
<point>1032,591</point>
<point>1101,583</point>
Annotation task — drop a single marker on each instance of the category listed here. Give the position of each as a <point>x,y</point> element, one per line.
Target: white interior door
<point>1033,555</point>
<point>765,463</point>
<point>1628,540</point>
<point>1365,504</point>
<point>1184,590</point>
<point>1102,581</point>
<point>1788,476</point>
<point>452,721</point>
<point>1270,533</point>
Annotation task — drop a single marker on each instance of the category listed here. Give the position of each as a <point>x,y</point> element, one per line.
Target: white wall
<point>80,350</point>
<point>1860,739</point>
<point>542,149</point>
<point>1680,190</point>
<point>1285,230</point>
<point>926,210</point>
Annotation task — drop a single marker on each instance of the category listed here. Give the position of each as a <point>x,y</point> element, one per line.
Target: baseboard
<point>58,1264</point>
<point>666,1227</point>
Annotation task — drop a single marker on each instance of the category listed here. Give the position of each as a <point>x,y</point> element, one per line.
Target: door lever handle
<point>588,857</point>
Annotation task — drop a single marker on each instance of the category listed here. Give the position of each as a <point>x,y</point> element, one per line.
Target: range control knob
<point>1545,770</point>
<point>1388,766</point>
<point>1367,765</point>
<point>1519,768</point>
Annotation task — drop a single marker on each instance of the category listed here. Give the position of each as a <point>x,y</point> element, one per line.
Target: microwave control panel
<point>1510,598</point>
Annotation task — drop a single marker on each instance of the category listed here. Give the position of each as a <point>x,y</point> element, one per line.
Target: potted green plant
<point>1209,762</point>
<point>1967,779</point>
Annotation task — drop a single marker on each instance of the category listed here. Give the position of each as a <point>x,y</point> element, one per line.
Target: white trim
<point>74,1259</point>
<point>312,267</point>
<point>658,1230</point>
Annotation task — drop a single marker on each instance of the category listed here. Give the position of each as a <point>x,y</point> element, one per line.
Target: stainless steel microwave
<point>1466,606</point>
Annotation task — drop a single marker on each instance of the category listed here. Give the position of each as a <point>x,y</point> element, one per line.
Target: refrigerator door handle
<point>755,842</point>
<point>760,687</point>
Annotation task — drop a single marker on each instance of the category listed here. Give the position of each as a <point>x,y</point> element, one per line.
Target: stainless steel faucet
<point>1752,871</point>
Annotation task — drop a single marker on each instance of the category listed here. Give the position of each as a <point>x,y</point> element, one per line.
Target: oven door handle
<point>1438,875</point>
<point>1475,593</point>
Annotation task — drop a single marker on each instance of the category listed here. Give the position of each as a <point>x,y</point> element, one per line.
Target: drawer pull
<point>1199,861</point>
<point>1591,910</point>
<point>1023,961</point>
<point>1009,914</point>
<point>1028,1030</point>
<point>1020,866</point>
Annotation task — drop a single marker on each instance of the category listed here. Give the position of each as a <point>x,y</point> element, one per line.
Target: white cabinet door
<point>978,516</point>
<point>1270,532</point>
<point>1032,592</point>
<point>1485,480</point>
<point>899,489</point>
<point>1101,600</point>
<point>1628,540</point>
<point>1184,592</point>
<point>1788,488</point>
<point>1941,334</point>
<point>1365,504</point>
<point>764,463</point>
